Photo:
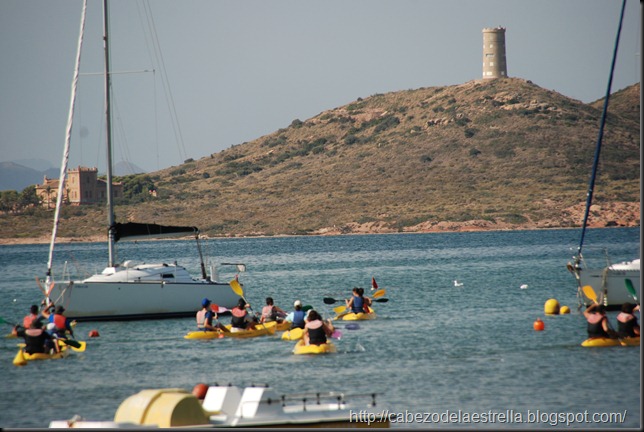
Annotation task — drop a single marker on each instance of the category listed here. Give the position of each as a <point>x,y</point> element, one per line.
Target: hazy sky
<point>241,69</point>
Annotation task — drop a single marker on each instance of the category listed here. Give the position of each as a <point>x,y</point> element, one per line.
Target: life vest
<point>60,322</point>
<point>595,328</point>
<point>298,319</point>
<point>268,313</point>
<point>625,326</point>
<point>358,304</point>
<point>201,318</point>
<point>317,336</point>
<point>239,318</point>
<point>26,321</point>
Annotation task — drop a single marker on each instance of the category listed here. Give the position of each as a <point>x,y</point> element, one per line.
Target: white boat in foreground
<point>128,290</point>
<point>229,407</point>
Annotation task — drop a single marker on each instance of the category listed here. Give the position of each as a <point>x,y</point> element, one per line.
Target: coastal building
<point>83,187</point>
<point>494,64</point>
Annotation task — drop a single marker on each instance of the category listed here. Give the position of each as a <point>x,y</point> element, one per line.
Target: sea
<point>437,356</point>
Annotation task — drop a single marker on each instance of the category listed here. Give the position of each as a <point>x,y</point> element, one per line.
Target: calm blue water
<point>434,347</point>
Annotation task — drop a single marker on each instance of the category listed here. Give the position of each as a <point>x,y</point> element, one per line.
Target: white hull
<point>232,407</point>
<point>145,292</point>
<point>610,283</point>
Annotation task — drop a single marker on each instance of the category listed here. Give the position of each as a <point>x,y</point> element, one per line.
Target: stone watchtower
<point>494,65</point>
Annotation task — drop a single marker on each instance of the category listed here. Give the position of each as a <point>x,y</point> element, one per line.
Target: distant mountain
<point>16,177</point>
<point>40,165</point>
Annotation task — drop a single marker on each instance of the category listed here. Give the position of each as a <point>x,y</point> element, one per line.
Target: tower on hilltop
<point>494,65</point>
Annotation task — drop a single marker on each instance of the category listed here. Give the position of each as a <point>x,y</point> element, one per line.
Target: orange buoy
<point>539,325</point>
<point>93,333</point>
<point>200,391</point>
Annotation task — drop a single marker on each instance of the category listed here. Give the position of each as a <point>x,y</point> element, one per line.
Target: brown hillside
<point>493,154</point>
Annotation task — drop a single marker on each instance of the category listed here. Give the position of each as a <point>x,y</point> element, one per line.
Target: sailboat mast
<point>108,125</point>
<point>68,137</point>
<point>598,147</point>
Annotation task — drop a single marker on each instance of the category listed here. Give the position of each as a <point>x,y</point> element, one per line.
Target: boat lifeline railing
<point>319,398</point>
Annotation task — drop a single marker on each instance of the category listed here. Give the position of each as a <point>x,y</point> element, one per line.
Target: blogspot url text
<point>502,417</point>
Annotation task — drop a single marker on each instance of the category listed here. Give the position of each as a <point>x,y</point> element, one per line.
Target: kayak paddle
<point>590,293</point>
<point>631,289</point>
<point>74,344</point>
<point>329,300</point>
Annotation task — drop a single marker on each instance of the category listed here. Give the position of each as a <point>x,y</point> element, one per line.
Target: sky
<point>194,77</point>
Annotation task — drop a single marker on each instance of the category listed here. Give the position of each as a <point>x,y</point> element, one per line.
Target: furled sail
<point>134,230</point>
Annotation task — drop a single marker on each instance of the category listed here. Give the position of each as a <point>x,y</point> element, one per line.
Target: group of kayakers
<point>316,330</point>
<point>599,326</point>
<point>43,339</point>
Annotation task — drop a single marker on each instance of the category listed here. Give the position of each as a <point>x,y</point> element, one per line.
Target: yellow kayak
<point>259,330</point>
<point>607,342</point>
<point>326,348</point>
<point>358,316</point>
<point>22,357</point>
<point>293,334</point>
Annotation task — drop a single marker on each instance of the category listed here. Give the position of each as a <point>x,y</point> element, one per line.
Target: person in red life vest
<point>61,322</point>
<point>33,315</point>
<point>38,340</point>
<point>241,319</point>
<point>296,317</point>
<point>270,312</point>
<point>316,331</point>
<point>598,326</point>
<point>27,320</point>
<point>627,325</point>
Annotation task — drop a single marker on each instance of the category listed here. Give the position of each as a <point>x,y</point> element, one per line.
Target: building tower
<point>494,65</point>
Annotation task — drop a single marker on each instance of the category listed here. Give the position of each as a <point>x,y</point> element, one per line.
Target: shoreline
<point>450,228</point>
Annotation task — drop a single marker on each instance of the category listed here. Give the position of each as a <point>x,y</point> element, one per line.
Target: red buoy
<point>538,325</point>
<point>200,391</point>
<point>93,333</point>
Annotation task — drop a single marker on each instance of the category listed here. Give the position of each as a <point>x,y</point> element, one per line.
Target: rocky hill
<point>486,154</point>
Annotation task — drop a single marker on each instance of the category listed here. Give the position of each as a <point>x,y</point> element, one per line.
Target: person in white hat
<point>296,318</point>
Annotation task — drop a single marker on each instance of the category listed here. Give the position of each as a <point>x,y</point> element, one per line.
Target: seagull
<point>457,283</point>
<point>524,286</point>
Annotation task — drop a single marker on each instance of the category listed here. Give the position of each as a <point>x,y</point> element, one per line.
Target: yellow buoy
<point>564,310</point>
<point>551,307</point>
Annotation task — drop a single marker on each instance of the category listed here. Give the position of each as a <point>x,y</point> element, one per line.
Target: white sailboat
<point>129,290</point>
<point>615,283</point>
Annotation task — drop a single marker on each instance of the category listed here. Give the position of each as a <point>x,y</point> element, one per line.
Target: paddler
<point>358,303</point>
<point>598,326</point>
<point>270,312</point>
<point>38,340</point>
<point>316,330</point>
<point>296,317</point>
<point>241,319</point>
<point>61,322</point>
<point>627,325</point>
<point>205,317</point>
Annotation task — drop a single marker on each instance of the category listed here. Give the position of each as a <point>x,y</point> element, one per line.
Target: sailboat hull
<point>612,283</point>
<point>99,300</point>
